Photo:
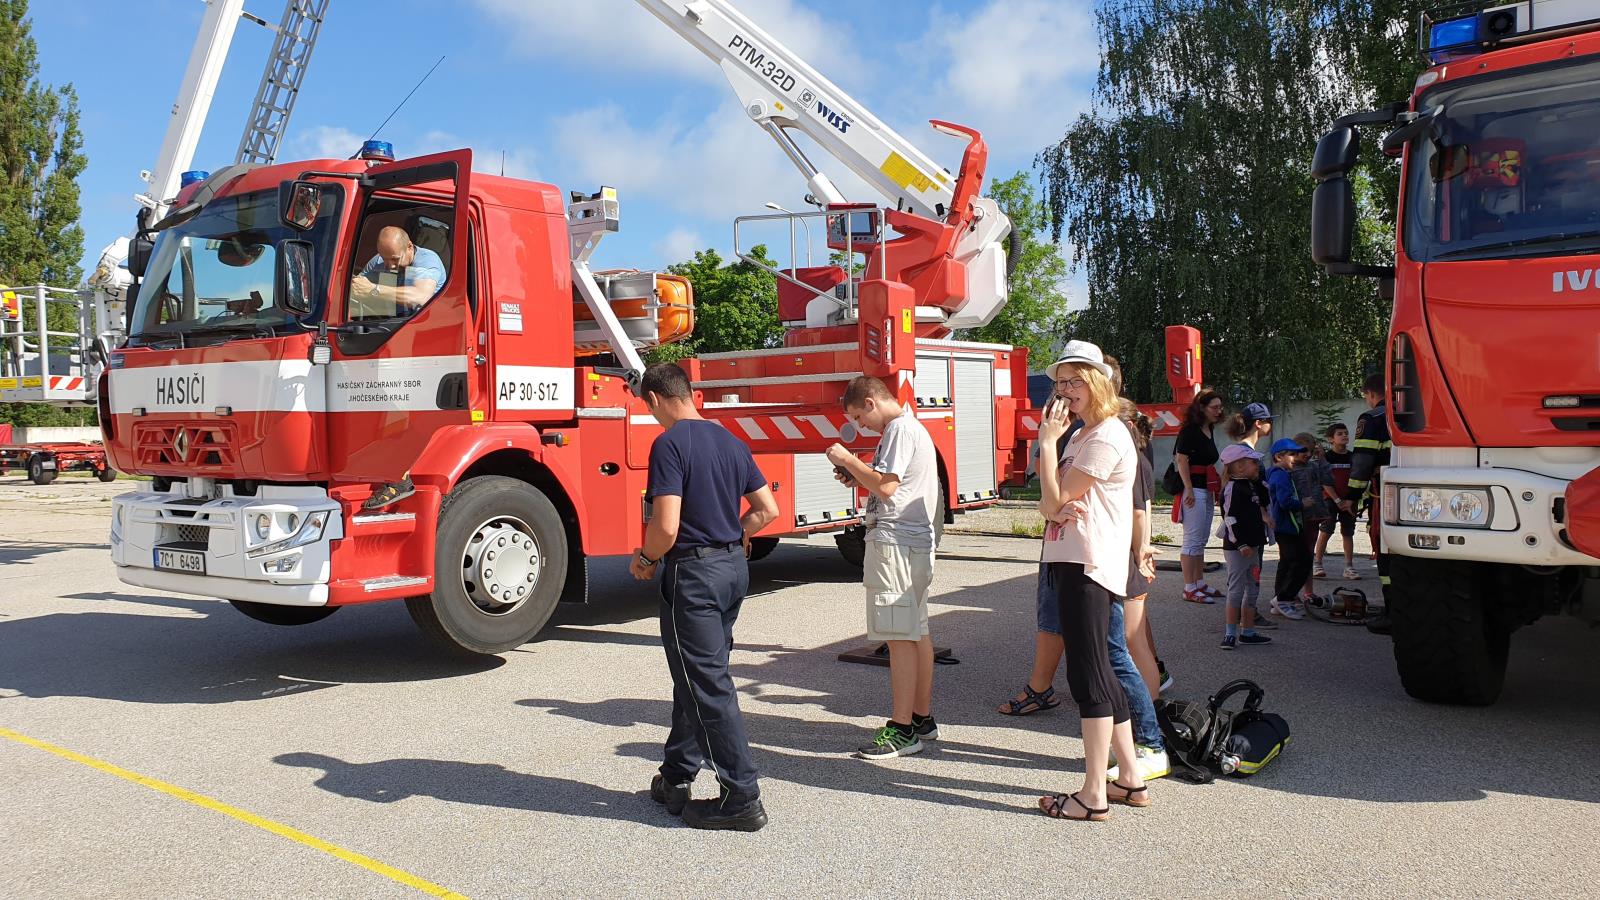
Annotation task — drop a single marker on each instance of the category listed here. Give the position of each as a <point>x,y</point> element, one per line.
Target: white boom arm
<point>780,91</point>
<point>194,101</point>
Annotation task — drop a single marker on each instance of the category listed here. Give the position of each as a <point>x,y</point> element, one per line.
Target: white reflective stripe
<point>642,420</point>
<point>932,415</point>
<point>787,427</point>
<point>397,384</point>
<point>288,385</point>
<point>824,427</point>
<point>752,429</point>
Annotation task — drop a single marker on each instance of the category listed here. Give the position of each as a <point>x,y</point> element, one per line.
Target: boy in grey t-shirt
<point>902,483</point>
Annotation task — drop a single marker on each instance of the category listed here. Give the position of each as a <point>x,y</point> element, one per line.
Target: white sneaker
<point>1152,764</point>
<point>1317,571</point>
<point>1350,574</point>
<point>1288,610</point>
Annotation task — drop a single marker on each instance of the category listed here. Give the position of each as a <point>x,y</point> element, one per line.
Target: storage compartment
<point>654,308</point>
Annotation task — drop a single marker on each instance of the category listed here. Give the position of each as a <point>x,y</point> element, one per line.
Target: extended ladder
<point>280,82</point>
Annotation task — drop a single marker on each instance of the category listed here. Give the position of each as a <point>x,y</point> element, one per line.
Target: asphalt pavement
<point>274,760</point>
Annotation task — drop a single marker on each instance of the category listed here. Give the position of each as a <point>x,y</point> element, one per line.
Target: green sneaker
<point>890,741</point>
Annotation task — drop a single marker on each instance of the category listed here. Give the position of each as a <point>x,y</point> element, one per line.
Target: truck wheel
<point>852,544</point>
<point>37,473</point>
<point>273,614</point>
<point>499,566</point>
<point>762,547</point>
<point>1447,646</point>
<point>106,474</point>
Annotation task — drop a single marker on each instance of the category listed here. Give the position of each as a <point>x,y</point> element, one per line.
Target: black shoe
<point>391,493</point>
<point>925,727</point>
<point>672,796</point>
<point>1380,624</point>
<point>713,815</point>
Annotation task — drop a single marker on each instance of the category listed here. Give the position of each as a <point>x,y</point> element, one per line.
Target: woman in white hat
<point>1086,494</point>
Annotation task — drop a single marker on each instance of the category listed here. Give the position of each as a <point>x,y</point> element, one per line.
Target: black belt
<point>703,552</point>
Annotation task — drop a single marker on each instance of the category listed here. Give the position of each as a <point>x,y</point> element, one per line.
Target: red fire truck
<point>269,389</point>
<point>1491,499</point>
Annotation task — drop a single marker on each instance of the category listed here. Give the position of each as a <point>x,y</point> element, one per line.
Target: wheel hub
<point>501,567</point>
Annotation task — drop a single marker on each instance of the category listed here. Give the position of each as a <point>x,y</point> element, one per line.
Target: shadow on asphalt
<point>28,551</point>
<point>214,654</point>
<point>479,784</point>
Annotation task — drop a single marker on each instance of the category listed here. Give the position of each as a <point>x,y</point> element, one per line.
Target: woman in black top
<point>1194,455</point>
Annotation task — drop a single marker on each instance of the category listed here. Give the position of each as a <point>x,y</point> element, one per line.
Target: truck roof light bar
<point>1460,30</point>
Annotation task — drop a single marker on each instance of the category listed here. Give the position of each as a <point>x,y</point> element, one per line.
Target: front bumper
<point>289,566</point>
<point>1525,521</point>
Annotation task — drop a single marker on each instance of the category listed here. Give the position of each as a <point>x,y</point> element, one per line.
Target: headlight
<point>309,533</point>
<point>1420,504</point>
<point>1470,507</point>
<point>263,526</point>
<point>1447,506</point>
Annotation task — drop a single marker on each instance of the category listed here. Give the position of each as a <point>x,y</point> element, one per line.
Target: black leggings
<point>1085,627</point>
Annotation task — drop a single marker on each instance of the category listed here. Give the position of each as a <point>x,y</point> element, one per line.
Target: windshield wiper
<point>1522,242</point>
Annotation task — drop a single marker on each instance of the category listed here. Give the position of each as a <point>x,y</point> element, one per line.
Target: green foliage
<point>1036,314</point>
<point>40,160</point>
<point>1328,415</point>
<point>1185,193</point>
<point>736,306</point>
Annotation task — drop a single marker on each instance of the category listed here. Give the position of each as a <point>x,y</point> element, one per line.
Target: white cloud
<point>517,162</point>
<point>1017,70</point>
<point>678,245</point>
<point>324,142</point>
<point>620,34</point>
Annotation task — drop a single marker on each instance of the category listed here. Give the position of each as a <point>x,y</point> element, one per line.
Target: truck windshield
<point>1512,167</point>
<point>211,278</point>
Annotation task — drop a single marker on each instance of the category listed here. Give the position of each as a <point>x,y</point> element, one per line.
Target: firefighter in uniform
<point>698,542</point>
<point>1369,454</point>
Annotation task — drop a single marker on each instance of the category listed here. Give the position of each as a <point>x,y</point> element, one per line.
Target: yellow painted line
<point>277,828</point>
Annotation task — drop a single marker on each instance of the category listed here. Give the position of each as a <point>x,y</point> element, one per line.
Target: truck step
<point>383,523</point>
<point>389,582</point>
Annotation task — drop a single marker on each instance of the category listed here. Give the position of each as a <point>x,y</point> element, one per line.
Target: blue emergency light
<point>192,176</point>
<point>377,151</point>
<point>1454,39</point>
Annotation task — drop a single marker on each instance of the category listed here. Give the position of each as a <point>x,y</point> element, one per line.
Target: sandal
<point>1032,701</point>
<point>1137,797</point>
<point>1055,806</point>
<point>393,492</point>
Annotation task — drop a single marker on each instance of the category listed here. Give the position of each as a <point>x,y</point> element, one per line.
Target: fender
<point>452,451</point>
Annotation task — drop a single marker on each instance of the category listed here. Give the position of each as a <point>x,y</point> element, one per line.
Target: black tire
<point>762,547</point>
<point>1448,646</point>
<point>852,544</point>
<point>37,473</point>
<point>474,522</point>
<point>106,474</point>
<point>273,614</point>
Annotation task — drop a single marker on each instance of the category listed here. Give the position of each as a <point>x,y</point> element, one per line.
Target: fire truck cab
<point>1491,499</point>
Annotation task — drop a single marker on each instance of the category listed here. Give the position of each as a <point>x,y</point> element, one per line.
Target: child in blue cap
<point>1287,513</point>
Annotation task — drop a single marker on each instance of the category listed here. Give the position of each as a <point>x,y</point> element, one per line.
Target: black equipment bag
<point>1204,740</point>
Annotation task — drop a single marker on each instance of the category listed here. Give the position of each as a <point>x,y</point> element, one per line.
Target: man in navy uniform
<point>696,537</point>
<point>1368,457</point>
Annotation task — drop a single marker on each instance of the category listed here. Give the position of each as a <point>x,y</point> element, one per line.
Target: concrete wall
<point>41,435</point>
<point>1292,418</point>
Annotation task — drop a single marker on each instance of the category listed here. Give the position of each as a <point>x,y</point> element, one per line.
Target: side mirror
<point>292,277</point>
<point>1333,221</point>
<point>139,248</point>
<point>299,202</point>
<point>1336,154</point>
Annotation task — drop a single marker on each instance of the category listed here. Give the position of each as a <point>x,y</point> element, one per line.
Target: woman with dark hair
<point>1194,456</point>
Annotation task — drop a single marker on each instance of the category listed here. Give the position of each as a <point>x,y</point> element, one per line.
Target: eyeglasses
<point>1071,384</point>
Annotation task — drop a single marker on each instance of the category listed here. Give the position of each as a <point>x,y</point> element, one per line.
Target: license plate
<point>181,561</point>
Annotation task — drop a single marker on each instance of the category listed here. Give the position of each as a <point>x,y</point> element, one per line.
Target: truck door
<point>401,362</point>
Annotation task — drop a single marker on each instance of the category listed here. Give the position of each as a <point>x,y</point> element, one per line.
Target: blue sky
<point>576,93</point>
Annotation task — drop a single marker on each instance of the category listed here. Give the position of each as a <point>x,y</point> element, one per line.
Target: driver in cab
<point>398,280</point>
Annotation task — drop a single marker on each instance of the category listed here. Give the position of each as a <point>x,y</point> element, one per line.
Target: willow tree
<point>1185,196</point>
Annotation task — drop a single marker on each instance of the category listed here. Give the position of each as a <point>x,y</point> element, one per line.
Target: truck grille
<point>193,534</point>
<point>187,445</point>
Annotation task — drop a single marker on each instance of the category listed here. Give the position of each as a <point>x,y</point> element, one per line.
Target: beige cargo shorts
<point>898,580</point>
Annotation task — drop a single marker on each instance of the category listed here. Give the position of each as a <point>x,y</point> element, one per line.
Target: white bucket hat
<point>1079,352</point>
